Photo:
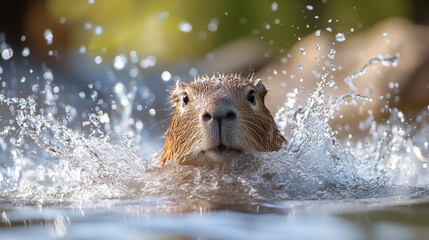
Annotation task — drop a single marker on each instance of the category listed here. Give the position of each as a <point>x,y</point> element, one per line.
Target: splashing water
<point>47,158</point>
<point>386,60</point>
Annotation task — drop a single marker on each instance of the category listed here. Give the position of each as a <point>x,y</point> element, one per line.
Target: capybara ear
<point>260,88</point>
<point>177,91</point>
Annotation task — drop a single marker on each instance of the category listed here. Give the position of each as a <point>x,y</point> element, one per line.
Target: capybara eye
<point>185,99</point>
<point>251,97</point>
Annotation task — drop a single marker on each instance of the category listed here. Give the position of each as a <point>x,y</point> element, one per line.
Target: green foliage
<point>140,24</point>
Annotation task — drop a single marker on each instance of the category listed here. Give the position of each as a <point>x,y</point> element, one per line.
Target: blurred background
<point>187,29</point>
<point>151,44</point>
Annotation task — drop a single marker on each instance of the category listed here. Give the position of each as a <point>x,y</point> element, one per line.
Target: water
<point>61,175</point>
<point>80,165</point>
<point>101,161</point>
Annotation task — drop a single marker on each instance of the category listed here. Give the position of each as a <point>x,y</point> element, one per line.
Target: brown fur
<point>191,140</point>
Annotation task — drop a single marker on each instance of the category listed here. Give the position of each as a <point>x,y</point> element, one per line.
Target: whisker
<point>163,109</point>
<point>162,121</point>
<point>252,123</point>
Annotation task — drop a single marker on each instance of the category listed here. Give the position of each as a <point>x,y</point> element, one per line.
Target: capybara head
<point>216,118</point>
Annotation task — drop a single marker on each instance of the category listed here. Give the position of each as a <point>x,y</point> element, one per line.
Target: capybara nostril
<point>231,116</point>
<point>225,113</point>
<point>207,117</point>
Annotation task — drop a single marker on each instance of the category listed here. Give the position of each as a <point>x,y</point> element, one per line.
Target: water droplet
<point>104,118</point>
<point>90,1</point>
<point>148,62</point>
<point>340,37</point>
<point>82,95</point>
<point>63,20</point>
<point>23,38</point>
<point>300,67</point>
<point>35,88</point>
<point>277,21</point>
<point>213,25</point>
<point>7,53</point>
<point>88,25</point>
<point>25,52</point>
<point>119,88</point>
<point>133,72</point>
<point>23,80</point>
<point>284,60</point>
<point>120,62</point>
<point>139,125</point>
<point>352,29</point>
<point>166,76</point>
<point>309,7</point>
<point>185,26</point>
<point>98,60</point>
<point>332,53</point>
<point>317,33</point>
<point>267,26</point>
<point>98,30</point>
<point>386,34</point>
<point>48,75</point>
<point>193,72</point>
<point>49,37</point>
<point>318,47</point>
<point>329,29</point>
<point>82,49</point>
<point>163,15</point>
<point>1,70</point>
<point>133,57</point>
<point>94,95</point>
<point>152,112</point>
<point>274,6</point>
<point>302,51</point>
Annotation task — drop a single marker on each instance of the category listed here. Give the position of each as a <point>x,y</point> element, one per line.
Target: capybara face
<point>216,118</point>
